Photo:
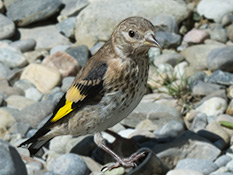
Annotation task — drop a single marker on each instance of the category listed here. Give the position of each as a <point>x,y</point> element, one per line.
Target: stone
<point>18,102</point>
<point>230,32</point>
<point>1,7</point>
<point>54,95</point>
<point>92,26</point>
<point>196,55</point>
<point>12,57</point>
<point>33,11</point>
<point>24,45</point>
<point>220,59</point>
<point>227,118</point>
<point>165,23</point>
<point>23,84</point>
<point>4,71</point>
<point>80,53</point>
<point>96,47</point>
<point>40,35</point>
<point>8,90</point>
<point>67,27</point>
<point>63,63</point>
<point>180,70</point>
<point>43,77</point>
<point>146,125</point>
<point>203,166</point>
<point>33,167</point>
<point>203,88</point>
<point>219,34</point>
<point>220,77</point>
<point>222,160</point>
<point>159,114</point>
<point>36,56</point>
<point>227,19</point>
<point>230,92</point>
<point>33,94</point>
<point>167,39</point>
<point>183,172</point>
<point>172,129</point>
<point>74,165</point>
<point>214,9</point>
<point>66,83</point>
<point>58,48</point>
<point>7,120</point>
<point>213,106</point>
<point>72,7</point>
<point>188,145</point>
<point>230,108</point>
<point>196,77</point>
<point>7,27</point>
<point>11,160</point>
<point>169,58</point>
<point>196,36</point>
<point>199,122</point>
<point>230,165</point>
<point>35,113</point>
<point>19,128</point>
<point>215,128</point>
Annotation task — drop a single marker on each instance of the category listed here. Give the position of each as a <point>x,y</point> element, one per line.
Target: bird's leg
<point>126,162</point>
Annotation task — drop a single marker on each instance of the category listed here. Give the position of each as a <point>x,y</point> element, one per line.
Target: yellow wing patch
<point>73,96</point>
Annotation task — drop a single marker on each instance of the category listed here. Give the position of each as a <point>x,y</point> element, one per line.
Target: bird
<point>105,90</point>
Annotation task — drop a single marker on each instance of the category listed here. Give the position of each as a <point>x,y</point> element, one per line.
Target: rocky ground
<point>43,44</point>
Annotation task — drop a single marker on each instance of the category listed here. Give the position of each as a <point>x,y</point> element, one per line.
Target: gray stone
<point>169,58</point>
<point>196,77</point>
<point>33,167</point>
<point>7,27</point>
<point>159,114</point>
<point>58,48</point>
<point>220,59</point>
<point>6,89</point>
<point>188,145</point>
<point>183,172</point>
<point>165,23</point>
<point>227,19</point>
<point>215,9</point>
<point>73,7</point>
<point>199,122</point>
<point>10,160</point>
<point>167,39</point>
<point>171,129</point>
<point>35,113</point>
<point>222,160</point>
<point>220,77</point>
<point>230,165</point>
<point>4,71</point>
<point>203,88</point>
<point>24,45</point>
<point>80,53</point>
<point>218,33</point>
<point>66,83</point>
<point>33,10</point>
<point>19,128</point>
<point>203,166</point>
<point>67,27</point>
<point>230,32</point>
<point>92,26</point>
<point>12,57</point>
<point>23,84</point>
<point>33,94</point>
<point>54,95</point>
<point>96,47</point>
<point>18,101</point>
<point>73,165</point>
<point>196,55</point>
<point>45,36</point>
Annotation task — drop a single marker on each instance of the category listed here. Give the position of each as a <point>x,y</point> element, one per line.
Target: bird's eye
<point>131,33</point>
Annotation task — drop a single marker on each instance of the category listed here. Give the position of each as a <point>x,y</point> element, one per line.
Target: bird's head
<point>133,35</point>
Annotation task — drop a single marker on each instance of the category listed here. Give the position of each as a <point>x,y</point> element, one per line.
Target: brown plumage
<point>106,90</point>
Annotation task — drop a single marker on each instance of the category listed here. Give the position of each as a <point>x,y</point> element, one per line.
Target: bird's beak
<point>151,41</point>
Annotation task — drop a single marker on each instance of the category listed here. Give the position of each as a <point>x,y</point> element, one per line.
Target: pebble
<point>219,34</point>
<point>228,118</point>
<point>96,47</point>
<point>62,62</point>
<point>18,102</point>
<point>222,160</point>
<point>36,56</point>
<point>12,57</point>
<point>172,129</point>
<point>203,88</point>
<point>183,172</point>
<point>227,19</point>
<point>214,9</point>
<point>199,122</point>
<point>230,32</point>
<point>33,94</point>
<point>7,120</point>
<point>220,77</point>
<point>167,39</point>
<point>67,27</point>
<point>73,165</point>
<point>7,27</point>
<point>196,36</point>
<point>202,166</point>
<point>66,83</point>
<point>146,125</point>
<point>4,71</point>
<point>24,45</point>
<point>168,58</point>
<point>33,11</point>
<point>58,48</point>
<point>230,165</point>
<point>180,71</point>
<point>8,90</point>
<point>165,23</point>
<point>43,77</point>
<point>19,128</point>
<point>220,59</point>
<point>80,53</point>
<point>11,160</point>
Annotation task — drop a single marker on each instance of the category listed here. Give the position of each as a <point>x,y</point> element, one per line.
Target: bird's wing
<point>81,90</point>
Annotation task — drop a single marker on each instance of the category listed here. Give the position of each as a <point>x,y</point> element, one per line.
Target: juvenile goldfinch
<point>105,91</point>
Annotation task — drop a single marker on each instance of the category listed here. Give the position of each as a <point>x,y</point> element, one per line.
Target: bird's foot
<point>126,162</point>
